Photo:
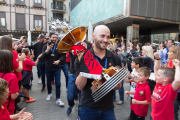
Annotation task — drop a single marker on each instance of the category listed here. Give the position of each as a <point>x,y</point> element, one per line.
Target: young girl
<point>7,44</point>
<point>26,75</point>
<point>6,69</point>
<point>4,114</point>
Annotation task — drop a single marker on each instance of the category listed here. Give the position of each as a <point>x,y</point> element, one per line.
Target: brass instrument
<point>71,38</point>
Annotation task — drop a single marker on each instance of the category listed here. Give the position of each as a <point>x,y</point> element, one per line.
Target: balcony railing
<point>56,7</point>
<point>53,18</point>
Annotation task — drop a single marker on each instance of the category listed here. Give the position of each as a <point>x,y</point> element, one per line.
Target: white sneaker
<point>39,81</point>
<point>60,103</point>
<point>49,97</point>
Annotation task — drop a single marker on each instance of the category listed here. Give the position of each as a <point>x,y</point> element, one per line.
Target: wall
<point>95,11</point>
<point>161,9</point>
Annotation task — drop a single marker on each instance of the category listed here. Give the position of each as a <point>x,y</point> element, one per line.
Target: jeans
<point>54,73</point>
<point>72,90</point>
<point>42,67</point>
<point>38,70</point>
<point>114,94</point>
<point>121,93</point>
<point>86,113</point>
<point>65,70</point>
<point>176,108</point>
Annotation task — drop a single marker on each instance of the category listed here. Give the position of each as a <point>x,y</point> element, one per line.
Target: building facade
<point>18,17</point>
<point>59,9</point>
<point>137,20</point>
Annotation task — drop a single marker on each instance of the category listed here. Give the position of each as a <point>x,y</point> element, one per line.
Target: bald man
<point>104,108</point>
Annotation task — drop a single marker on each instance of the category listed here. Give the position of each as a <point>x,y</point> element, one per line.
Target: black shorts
<point>27,86</point>
<point>133,116</point>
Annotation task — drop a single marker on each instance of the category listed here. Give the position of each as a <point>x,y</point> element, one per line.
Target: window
<point>57,5</point>
<point>74,3</point>
<point>20,21</point>
<point>20,2</point>
<point>58,16</point>
<point>2,20</point>
<point>1,0</point>
<point>38,22</point>
<point>38,2</point>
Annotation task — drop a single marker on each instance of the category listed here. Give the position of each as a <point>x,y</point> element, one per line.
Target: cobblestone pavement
<point>48,110</point>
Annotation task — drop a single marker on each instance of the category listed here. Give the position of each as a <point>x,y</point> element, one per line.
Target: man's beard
<point>52,41</point>
<point>97,43</point>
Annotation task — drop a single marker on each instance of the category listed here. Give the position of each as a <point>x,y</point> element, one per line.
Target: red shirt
<point>28,64</point>
<point>68,57</point>
<point>16,65</point>
<point>142,92</point>
<point>4,114</point>
<point>170,64</point>
<point>13,88</point>
<point>162,102</point>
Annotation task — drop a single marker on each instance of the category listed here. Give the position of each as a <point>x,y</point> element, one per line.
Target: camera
<point>49,43</point>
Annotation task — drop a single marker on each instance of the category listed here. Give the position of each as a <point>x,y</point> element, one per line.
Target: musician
<point>102,109</point>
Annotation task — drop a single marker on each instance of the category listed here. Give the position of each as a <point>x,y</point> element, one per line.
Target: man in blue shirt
<point>163,53</point>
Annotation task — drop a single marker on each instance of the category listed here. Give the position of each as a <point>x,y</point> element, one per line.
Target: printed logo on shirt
<point>141,93</point>
<point>160,90</point>
<point>109,64</point>
<point>133,84</point>
<point>156,96</point>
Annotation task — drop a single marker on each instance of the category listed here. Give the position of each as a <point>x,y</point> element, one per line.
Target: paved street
<point>48,110</point>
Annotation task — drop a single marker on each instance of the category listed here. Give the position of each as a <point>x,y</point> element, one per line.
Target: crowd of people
<point>17,60</point>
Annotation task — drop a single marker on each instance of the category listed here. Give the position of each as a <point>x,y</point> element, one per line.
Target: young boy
<point>165,90</point>
<point>26,75</point>
<point>137,62</point>
<point>142,95</point>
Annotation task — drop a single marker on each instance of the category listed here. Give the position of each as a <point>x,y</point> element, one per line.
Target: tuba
<point>72,38</point>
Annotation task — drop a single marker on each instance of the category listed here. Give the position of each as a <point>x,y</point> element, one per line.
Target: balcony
<point>54,18</point>
<point>58,8</point>
<point>20,4</point>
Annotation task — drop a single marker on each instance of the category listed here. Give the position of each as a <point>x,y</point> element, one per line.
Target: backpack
<point>151,84</point>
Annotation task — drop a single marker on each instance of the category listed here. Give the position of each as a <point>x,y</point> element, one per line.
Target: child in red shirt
<point>26,75</point>
<point>4,114</point>
<point>142,95</point>
<point>165,90</point>
<point>6,62</point>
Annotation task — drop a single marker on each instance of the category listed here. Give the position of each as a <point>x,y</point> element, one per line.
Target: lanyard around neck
<point>105,66</point>
<point>53,49</point>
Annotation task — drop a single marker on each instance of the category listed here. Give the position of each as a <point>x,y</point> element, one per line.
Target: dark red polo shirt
<point>142,93</point>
